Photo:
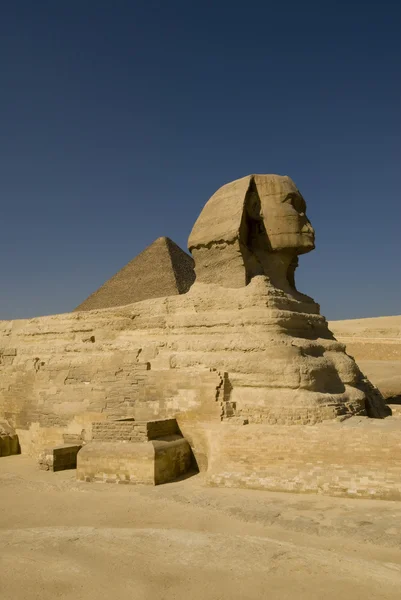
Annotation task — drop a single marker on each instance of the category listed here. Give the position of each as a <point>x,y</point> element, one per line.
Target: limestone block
<point>151,463</point>
<point>59,458</point>
<point>129,430</point>
<point>358,457</point>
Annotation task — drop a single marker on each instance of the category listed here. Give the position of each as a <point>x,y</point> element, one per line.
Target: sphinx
<point>241,348</point>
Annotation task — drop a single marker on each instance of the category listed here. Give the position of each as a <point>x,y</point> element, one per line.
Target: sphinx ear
<point>252,202</point>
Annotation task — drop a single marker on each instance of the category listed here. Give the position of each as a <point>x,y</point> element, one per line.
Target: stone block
<point>130,430</point>
<point>59,458</point>
<point>151,463</point>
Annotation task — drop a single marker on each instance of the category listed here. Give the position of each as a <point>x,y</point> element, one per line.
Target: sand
<point>375,343</point>
<point>69,540</point>
<point>374,327</point>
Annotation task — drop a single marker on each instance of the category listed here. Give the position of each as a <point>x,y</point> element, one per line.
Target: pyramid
<point>162,269</point>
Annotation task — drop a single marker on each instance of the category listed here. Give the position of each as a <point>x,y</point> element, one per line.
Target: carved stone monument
<point>262,391</point>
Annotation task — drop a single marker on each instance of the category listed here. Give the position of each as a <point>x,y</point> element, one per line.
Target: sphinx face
<point>252,226</point>
<point>283,211</point>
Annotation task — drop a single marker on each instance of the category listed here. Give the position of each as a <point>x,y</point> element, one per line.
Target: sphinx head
<point>275,202</point>
<point>256,225</point>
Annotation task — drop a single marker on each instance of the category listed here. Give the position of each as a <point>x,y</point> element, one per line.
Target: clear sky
<point>120,119</point>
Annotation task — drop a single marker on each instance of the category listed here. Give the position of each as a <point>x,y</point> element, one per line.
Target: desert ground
<point>64,539</point>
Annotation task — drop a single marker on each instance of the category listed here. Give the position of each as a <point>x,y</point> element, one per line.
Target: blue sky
<point>120,119</point>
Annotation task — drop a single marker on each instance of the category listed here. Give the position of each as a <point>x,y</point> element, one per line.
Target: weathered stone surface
<point>162,269</point>
<point>214,351</point>
<point>151,463</point>
<point>129,430</point>
<point>59,458</point>
<point>253,226</point>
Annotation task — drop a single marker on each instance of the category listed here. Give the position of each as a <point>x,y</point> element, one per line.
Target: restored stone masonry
<point>129,430</point>
<point>148,452</point>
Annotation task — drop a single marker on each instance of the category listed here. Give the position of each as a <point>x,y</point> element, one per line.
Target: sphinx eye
<point>298,203</point>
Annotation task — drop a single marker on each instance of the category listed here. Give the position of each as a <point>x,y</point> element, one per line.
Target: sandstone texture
<point>162,269</point>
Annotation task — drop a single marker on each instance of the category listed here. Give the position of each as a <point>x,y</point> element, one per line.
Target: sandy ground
<point>64,539</point>
<point>376,327</point>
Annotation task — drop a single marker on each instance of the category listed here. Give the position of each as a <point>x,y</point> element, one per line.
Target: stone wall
<point>150,463</point>
<point>359,457</point>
